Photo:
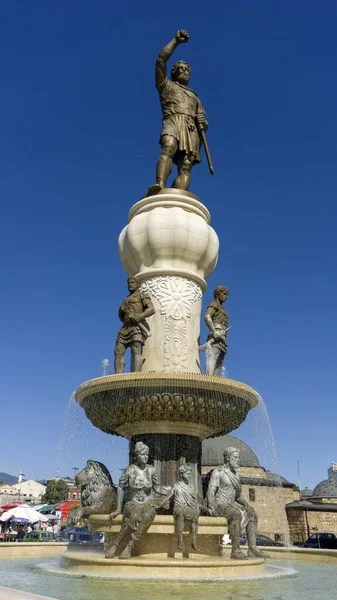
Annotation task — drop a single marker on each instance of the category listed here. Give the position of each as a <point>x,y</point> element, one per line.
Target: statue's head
<point>133,284</point>
<point>141,452</point>
<point>231,457</point>
<point>185,473</point>
<point>181,72</point>
<point>221,293</point>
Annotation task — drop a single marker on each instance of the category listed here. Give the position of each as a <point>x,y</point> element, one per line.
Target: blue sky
<point>80,121</point>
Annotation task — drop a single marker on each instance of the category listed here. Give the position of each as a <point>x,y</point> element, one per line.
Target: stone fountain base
<point>161,537</point>
<point>156,554</point>
<point>159,566</point>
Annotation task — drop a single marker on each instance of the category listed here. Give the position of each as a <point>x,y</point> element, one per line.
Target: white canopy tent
<point>23,512</point>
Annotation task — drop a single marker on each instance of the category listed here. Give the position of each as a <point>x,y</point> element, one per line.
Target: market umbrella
<point>10,505</point>
<point>53,517</point>
<point>38,506</point>
<point>19,520</point>
<point>25,512</point>
<point>47,508</point>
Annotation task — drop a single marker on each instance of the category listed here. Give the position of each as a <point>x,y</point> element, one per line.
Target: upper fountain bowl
<point>131,404</point>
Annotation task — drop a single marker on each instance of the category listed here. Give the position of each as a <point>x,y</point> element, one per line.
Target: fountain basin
<point>130,404</point>
<point>149,566</point>
<point>49,578</point>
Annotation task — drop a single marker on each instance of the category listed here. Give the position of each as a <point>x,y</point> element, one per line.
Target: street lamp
<point>298,475</point>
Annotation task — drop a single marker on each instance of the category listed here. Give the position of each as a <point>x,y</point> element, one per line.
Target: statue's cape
<point>185,494</point>
<point>234,479</point>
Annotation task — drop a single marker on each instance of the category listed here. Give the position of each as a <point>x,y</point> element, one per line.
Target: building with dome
<point>306,493</point>
<point>326,491</point>
<point>267,492</point>
<point>316,511</point>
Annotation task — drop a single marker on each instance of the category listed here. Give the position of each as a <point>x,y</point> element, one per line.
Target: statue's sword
<point>141,325</point>
<point>212,340</point>
<point>207,152</point>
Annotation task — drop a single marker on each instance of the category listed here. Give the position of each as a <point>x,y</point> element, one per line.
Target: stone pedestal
<point>162,538</point>
<point>171,248</point>
<point>175,326</point>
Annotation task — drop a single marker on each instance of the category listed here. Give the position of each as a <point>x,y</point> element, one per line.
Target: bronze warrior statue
<point>137,490</point>
<point>224,499</point>
<point>183,118</point>
<point>135,330</point>
<point>216,319</point>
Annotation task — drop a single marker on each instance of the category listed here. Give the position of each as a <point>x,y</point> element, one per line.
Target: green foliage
<point>57,491</point>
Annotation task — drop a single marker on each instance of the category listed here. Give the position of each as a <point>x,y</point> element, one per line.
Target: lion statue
<point>98,494</point>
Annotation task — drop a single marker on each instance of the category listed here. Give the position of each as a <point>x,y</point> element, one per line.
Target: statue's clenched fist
<point>182,36</point>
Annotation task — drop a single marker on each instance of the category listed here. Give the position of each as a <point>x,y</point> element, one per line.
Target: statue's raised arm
<point>181,37</point>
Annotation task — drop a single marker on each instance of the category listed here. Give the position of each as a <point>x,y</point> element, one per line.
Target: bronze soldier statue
<point>216,319</point>
<point>183,118</point>
<point>135,330</point>
<point>224,499</point>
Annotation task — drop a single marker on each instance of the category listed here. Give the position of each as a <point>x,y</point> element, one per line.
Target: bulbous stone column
<point>171,248</point>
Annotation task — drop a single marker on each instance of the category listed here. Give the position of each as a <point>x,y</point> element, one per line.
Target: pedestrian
<point>21,534</point>
<point>56,529</point>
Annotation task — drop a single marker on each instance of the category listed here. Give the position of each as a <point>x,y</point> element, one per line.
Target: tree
<point>57,491</point>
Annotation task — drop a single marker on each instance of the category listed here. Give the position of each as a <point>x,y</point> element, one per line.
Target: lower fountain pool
<point>281,582</point>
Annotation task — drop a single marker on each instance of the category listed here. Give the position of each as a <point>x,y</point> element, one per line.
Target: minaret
<point>21,475</point>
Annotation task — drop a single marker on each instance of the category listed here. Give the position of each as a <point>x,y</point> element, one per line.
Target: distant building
<point>69,480</point>
<point>30,489</point>
<point>27,491</point>
<point>74,493</point>
<point>7,490</point>
<point>316,511</point>
<point>306,493</point>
